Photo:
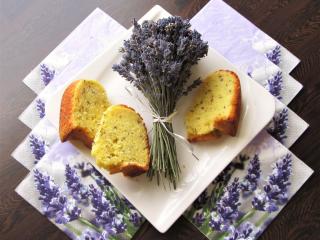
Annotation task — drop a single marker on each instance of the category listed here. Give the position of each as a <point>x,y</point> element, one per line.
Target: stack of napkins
<point>239,204</point>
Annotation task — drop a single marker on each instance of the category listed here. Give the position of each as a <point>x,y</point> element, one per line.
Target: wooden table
<point>29,30</point>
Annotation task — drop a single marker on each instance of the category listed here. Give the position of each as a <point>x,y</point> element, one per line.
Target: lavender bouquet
<point>157,59</point>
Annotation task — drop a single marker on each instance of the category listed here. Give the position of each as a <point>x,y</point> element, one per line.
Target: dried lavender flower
<point>157,60</point>
<point>40,107</point>
<point>46,74</point>
<point>55,205</point>
<point>38,147</point>
<point>275,192</point>
<point>274,55</point>
<point>278,126</point>
<point>274,85</point>
<point>76,189</point>
<point>250,182</point>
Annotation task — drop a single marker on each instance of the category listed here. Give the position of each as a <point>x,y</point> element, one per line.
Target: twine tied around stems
<point>163,120</point>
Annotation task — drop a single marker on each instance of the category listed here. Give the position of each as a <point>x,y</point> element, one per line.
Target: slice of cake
<point>216,107</point>
<point>82,106</point>
<point>121,143</point>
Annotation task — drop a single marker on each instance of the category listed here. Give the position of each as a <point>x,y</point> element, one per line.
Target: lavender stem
<point>72,229</point>
<point>262,219</point>
<point>246,217</point>
<point>128,235</point>
<point>89,224</point>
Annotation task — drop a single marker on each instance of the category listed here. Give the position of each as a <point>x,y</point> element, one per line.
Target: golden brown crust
<point>67,128</point>
<point>228,125</point>
<point>215,134</point>
<point>129,169</point>
<point>133,169</point>
<point>81,135</point>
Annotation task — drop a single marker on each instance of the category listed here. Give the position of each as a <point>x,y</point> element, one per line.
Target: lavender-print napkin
<point>233,25</point>
<point>78,199</point>
<point>70,48</point>
<point>253,188</point>
<point>41,143</point>
<point>233,36</point>
<point>37,143</point>
<point>244,199</point>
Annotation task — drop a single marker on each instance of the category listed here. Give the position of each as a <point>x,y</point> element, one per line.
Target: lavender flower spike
<point>102,208</point>
<point>276,190</point>
<point>106,213</point>
<point>227,207</point>
<point>201,200</point>
<point>250,181</point>
<point>38,147</point>
<point>246,231</point>
<point>274,55</point>
<point>55,205</point>
<point>87,169</point>
<point>128,204</point>
<point>118,224</point>
<point>46,74</point>
<point>274,85</point>
<point>279,125</point>
<point>198,219</point>
<point>136,219</point>
<point>40,106</point>
<point>77,190</point>
<point>93,235</point>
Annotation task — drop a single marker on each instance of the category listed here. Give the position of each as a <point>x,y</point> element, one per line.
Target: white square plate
<point>161,207</point>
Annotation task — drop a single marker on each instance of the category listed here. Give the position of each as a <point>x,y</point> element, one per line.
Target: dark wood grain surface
<point>30,29</point>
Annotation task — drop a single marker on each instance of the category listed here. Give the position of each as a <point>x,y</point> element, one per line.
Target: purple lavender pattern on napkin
<point>74,195</point>
<point>274,55</point>
<point>41,108</point>
<point>249,193</point>
<point>234,41</point>
<point>46,74</point>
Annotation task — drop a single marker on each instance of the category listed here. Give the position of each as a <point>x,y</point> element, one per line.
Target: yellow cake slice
<point>121,143</point>
<point>216,107</point>
<point>82,106</point>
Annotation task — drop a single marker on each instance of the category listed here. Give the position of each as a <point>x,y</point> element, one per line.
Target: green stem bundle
<point>163,154</point>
